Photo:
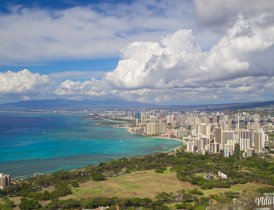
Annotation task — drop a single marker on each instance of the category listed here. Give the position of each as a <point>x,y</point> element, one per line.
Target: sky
<point>153,51</point>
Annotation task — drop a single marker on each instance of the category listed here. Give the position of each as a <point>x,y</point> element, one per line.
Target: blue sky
<point>102,64</point>
<point>156,51</point>
<point>60,4</point>
<point>95,64</point>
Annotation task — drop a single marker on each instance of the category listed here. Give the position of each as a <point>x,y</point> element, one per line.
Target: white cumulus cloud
<point>178,61</point>
<point>219,13</point>
<point>91,87</point>
<point>176,68</point>
<point>21,82</point>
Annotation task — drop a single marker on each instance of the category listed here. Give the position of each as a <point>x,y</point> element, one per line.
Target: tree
<point>28,204</point>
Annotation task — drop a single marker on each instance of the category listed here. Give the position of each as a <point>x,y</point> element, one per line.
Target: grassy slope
<point>147,184</point>
<point>137,184</point>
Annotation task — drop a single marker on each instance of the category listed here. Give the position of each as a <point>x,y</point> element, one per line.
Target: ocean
<point>46,142</point>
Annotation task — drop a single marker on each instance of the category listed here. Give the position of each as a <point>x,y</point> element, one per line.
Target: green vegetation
<point>7,204</point>
<point>60,190</point>
<point>98,177</point>
<point>28,204</point>
<point>195,191</point>
<point>144,184</point>
<point>159,181</point>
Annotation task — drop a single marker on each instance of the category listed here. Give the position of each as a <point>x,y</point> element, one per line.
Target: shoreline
<point>159,137</point>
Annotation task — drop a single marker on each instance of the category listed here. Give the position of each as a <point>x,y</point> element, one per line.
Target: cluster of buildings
<point>220,133</point>
<point>208,132</point>
<point>4,181</point>
<point>203,132</point>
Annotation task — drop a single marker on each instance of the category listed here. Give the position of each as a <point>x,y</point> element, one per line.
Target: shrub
<point>197,180</point>
<point>98,177</point>
<point>60,190</point>
<point>195,191</point>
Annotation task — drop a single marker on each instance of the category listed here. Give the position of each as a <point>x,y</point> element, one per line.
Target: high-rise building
<point>214,147</point>
<point>245,140</point>
<point>202,129</point>
<point>4,181</point>
<point>256,119</point>
<point>190,147</point>
<point>137,121</point>
<point>244,144</point>
<point>153,119</point>
<point>218,135</point>
<point>182,132</point>
<point>218,119</point>
<point>201,143</point>
<point>151,129</point>
<point>238,124</point>
<point>145,117</point>
<point>259,141</point>
<point>155,129</point>
<point>208,131</point>
<point>138,115</point>
<point>226,135</point>
<point>229,123</point>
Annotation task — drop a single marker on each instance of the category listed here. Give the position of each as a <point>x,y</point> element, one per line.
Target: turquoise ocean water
<point>41,143</point>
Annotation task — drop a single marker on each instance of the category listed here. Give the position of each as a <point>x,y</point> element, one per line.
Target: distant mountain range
<point>64,104</point>
<point>228,106</point>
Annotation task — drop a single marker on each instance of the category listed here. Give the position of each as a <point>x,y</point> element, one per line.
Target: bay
<point>46,142</point>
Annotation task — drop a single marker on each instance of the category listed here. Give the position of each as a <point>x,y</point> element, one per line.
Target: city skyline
<point>163,52</point>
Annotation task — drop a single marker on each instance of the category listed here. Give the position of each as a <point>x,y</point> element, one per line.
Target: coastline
<point>160,137</point>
